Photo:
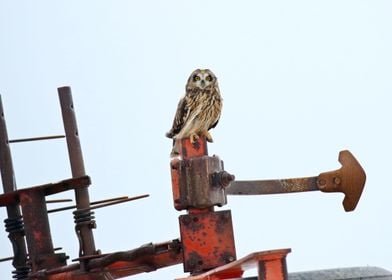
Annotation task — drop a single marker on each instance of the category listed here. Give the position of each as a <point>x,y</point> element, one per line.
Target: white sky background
<point>301,80</point>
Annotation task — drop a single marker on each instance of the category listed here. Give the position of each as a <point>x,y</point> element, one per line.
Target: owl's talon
<point>208,137</point>
<point>194,138</point>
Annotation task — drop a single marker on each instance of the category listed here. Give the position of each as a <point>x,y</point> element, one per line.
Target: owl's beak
<point>203,83</point>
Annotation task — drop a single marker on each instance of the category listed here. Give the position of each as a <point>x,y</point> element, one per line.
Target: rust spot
<point>227,257</point>
<point>194,261</point>
<point>196,145</point>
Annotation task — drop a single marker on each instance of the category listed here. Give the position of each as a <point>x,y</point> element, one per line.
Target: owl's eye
<point>196,78</point>
<point>209,78</point>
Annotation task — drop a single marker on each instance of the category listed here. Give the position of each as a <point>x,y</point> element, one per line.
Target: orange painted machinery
<point>206,246</point>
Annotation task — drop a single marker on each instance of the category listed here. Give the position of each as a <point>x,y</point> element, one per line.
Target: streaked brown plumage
<point>199,110</point>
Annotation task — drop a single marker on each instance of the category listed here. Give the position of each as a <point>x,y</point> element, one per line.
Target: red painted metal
<point>187,151</point>
<point>207,240</point>
<point>36,223</point>
<point>197,182</point>
<point>207,247</point>
<point>271,265</point>
<point>191,150</point>
<point>38,236</point>
<point>47,189</point>
<point>122,264</point>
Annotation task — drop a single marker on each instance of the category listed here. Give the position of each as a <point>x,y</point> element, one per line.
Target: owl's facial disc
<point>202,79</point>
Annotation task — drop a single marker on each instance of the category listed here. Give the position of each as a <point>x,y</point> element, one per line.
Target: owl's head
<point>201,79</point>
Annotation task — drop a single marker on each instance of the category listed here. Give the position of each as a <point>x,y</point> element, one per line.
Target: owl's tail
<point>169,134</point>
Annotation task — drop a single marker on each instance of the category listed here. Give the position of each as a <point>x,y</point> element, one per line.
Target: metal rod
<point>109,200</point>
<point>9,185</point>
<point>77,164</point>
<point>11,258</point>
<point>35,138</point>
<point>58,200</point>
<point>118,201</point>
<point>92,203</point>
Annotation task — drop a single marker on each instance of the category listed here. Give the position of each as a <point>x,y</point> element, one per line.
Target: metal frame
<point>199,184</point>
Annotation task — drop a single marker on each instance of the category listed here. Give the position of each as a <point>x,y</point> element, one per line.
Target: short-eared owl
<point>199,110</point>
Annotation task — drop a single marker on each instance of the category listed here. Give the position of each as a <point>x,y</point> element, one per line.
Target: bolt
<point>321,182</point>
<point>223,178</point>
<point>92,224</point>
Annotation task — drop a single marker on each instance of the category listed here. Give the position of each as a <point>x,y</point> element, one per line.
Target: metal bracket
<point>349,179</point>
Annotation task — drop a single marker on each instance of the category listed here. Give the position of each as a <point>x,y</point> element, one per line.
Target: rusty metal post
<point>38,236</point>
<point>207,236</point>
<point>84,229</point>
<point>14,222</point>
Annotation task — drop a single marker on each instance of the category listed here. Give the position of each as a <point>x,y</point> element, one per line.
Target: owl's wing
<point>216,88</point>
<point>179,119</point>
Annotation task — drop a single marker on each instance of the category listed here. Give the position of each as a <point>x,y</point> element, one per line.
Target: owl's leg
<point>194,137</point>
<point>208,137</point>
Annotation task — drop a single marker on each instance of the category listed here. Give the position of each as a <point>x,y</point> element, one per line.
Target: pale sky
<point>301,80</point>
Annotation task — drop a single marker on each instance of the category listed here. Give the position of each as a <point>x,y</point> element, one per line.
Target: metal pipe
<point>77,164</point>
<point>9,185</point>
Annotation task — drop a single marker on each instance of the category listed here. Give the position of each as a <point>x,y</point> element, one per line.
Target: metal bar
<point>121,264</point>
<point>77,164</point>
<point>38,236</point>
<point>35,139</point>
<point>143,259</point>
<point>6,259</point>
<point>48,189</point>
<point>10,258</point>
<point>9,185</point>
<point>92,203</point>
<point>58,200</point>
<point>272,186</point>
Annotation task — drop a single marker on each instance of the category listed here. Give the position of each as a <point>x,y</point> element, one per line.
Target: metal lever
<point>349,179</point>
